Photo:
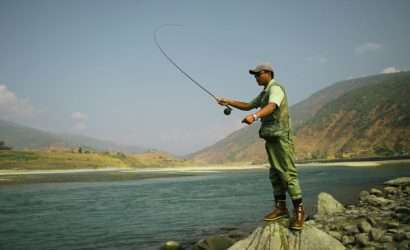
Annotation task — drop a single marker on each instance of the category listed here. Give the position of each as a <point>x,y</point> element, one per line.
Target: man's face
<point>263,77</point>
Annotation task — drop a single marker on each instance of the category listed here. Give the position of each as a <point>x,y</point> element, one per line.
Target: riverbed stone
<point>392,224</point>
<point>390,190</point>
<point>364,226</point>
<point>402,210</point>
<point>364,195</point>
<point>215,242</point>
<point>336,235</point>
<point>378,201</point>
<point>362,239</point>
<point>372,221</point>
<point>404,245</point>
<point>171,245</point>
<point>351,229</point>
<point>327,205</point>
<point>376,234</point>
<point>402,181</point>
<point>376,192</point>
<point>386,238</point>
<point>399,236</point>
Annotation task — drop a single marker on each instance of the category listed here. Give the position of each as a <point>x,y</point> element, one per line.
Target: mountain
<point>370,121</point>
<point>313,114</point>
<point>19,137</point>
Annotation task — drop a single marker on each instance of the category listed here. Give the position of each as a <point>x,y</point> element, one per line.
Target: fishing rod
<point>227,110</point>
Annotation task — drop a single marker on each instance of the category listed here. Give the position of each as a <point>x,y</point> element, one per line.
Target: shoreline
<point>196,169</point>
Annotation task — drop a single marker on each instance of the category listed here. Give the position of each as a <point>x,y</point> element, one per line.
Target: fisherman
<point>276,131</point>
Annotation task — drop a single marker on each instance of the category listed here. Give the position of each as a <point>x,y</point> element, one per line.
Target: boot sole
<point>277,218</point>
<point>296,228</point>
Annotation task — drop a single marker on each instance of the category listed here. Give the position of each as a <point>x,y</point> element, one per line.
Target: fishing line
<point>228,109</point>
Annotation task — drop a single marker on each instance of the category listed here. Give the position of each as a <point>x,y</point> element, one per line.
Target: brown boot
<point>278,212</point>
<point>296,222</point>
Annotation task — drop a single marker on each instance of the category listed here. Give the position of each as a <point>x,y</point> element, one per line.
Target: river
<point>140,213</point>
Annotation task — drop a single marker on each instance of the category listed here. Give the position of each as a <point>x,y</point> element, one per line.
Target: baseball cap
<point>260,67</point>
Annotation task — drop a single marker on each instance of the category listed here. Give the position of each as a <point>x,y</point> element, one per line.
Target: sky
<point>91,67</point>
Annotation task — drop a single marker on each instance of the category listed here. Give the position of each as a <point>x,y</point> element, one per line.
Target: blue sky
<point>91,67</point>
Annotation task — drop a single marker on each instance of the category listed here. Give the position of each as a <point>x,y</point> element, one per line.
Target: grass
<point>42,160</point>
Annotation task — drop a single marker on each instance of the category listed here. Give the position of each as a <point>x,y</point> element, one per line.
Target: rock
<point>376,192</point>
<point>362,239</point>
<point>402,210</point>
<point>171,245</point>
<point>336,235</point>
<point>372,221</point>
<point>402,181</point>
<point>351,229</point>
<point>277,236</point>
<point>392,224</point>
<point>363,195</point>
<point>404,245</point>
<point>216,242</point>
<point>408,235</point>
<point>386,238</point>
<point>327,205</point>
<point>378,201</point>
<point>376,234</point>
<point>347,240</point>
<point>390,190</point>
<point>364,226</point>
<point>399,236</point>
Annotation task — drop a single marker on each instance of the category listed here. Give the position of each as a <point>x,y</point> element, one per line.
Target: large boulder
<point>327,205</point>
<point>276,235</point>
<point>402,181</point>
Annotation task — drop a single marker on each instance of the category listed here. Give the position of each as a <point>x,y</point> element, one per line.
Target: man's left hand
<point>249,119</point>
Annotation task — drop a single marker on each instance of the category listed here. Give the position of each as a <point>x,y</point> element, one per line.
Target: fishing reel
<point>227,110</point>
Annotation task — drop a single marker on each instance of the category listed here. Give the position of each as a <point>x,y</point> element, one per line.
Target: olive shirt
<point>274,93</point>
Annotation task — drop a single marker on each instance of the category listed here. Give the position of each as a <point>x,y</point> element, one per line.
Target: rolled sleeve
<point>276,95</point>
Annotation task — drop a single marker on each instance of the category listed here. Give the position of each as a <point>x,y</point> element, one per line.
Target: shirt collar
<point>269,84</point>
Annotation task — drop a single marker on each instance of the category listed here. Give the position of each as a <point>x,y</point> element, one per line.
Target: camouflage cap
<point>260,67</point>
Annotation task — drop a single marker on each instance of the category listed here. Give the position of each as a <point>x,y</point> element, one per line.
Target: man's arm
<point>263,112</point>
<point>236,104</point>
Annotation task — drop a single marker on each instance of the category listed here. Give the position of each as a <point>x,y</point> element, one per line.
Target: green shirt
<point>274,93</point>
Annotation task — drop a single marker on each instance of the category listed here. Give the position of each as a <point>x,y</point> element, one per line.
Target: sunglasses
<point>257,74</point>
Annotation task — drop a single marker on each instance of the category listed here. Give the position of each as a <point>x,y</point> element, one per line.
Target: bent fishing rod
<point>227,110</point>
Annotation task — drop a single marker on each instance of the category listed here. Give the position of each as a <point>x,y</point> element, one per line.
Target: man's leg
<point>283,157</point>
<point>279,188</point>
<point>286,159</point>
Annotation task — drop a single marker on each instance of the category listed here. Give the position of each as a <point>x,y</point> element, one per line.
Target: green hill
<point>245,146</point>
<point>22,137</point>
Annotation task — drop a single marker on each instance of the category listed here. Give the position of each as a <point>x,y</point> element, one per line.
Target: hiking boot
<point>296,222</point>
<point>279,211</point>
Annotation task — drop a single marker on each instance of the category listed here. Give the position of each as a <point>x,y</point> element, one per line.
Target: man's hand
<point>249,119</point>
<point>222,101</point>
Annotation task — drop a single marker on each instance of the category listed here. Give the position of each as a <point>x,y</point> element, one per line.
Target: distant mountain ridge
<point>245,146</point>
<point>20,137</point>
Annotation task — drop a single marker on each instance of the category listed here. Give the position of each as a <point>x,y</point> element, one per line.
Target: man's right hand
<point>222,101</point>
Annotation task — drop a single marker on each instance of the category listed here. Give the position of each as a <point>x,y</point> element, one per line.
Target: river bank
<point>380,219</point>
<point>24,176</point>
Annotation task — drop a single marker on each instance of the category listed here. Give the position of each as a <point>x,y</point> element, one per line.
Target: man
<point>275,130</point>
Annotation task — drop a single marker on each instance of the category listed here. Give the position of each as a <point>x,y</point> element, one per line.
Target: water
<point>143,214</point>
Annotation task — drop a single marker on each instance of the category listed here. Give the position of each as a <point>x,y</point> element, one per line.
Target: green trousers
<point>283,173</point>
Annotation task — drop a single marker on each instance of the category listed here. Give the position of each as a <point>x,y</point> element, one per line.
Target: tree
<point>3,146</point>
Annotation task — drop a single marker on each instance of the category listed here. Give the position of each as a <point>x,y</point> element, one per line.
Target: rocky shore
<point>379,220</point>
